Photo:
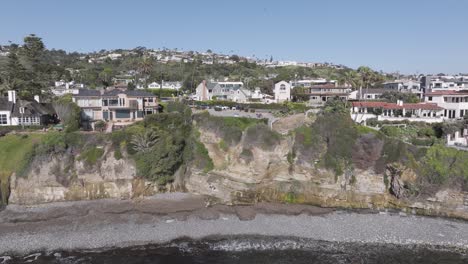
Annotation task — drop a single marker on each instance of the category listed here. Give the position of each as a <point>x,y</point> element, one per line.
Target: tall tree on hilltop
<point>13,75</point>
<point>145,67</point>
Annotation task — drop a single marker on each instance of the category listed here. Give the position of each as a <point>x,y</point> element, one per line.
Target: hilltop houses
<point>165,85</point>
<point>116,105</point>
<point>230,91</point>
<point>282,92</point>
<point>420,112</point>
<point>17,112</point>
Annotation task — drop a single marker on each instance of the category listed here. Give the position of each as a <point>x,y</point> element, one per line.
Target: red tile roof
<point>385,105</point>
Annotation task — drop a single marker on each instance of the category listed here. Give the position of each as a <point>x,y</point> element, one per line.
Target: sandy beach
<point>114,223</point>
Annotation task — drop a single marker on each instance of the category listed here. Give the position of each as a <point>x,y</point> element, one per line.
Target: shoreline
<point>104,224</point>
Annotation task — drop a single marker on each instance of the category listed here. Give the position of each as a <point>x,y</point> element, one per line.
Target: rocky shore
<point>121,223</point>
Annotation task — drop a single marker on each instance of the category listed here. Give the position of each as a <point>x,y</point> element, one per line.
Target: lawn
<point>13,149</point>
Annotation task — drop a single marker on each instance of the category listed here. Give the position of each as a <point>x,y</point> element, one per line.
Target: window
<point>282,87</point>
<point>430,98</point>
<point>3,119</point>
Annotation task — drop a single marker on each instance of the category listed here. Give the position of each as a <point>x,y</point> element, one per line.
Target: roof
<point>113,92</point>
<point>132,93</point>
<point>385,105</point>
<point>375,91</point>
<point>448,92</point>
<point>5,105</point>
<point>32,108</point>
<point>88,92</point>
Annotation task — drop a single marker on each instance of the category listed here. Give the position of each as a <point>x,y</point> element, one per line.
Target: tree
<point>145,67</point>
<point>143,142</point>
<point>68,112</point>
<point>14,75</point>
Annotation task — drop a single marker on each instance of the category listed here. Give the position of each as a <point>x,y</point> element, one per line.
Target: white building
<point>154,85</point>
<point>282,91</point>
<point>383,111</point>
<point>454,102</point>
<point>403,85</point>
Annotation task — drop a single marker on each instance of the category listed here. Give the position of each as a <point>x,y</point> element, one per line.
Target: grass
<point>14,150</point>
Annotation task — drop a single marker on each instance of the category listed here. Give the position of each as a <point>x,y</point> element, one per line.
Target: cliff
<point>322,160</point>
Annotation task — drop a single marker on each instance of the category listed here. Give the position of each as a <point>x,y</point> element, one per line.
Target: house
<point>6,108</point>
<point>154,85</point>
<point>312,82</point>
<point>455,103</point>
<point>172,85</point>
<point>62,87</point>
<point>420,112</point>
<point>17,112</point>
<point>231,91</point>
<point>458,139</point>
<point>400,85</point>
<point>282,91</point>
<point>319,94</point>
<point>371,93</point>
<point>116,105</point>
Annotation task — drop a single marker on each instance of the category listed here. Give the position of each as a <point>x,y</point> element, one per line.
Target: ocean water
<point>252,249</point>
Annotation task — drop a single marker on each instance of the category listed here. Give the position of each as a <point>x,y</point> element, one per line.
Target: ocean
<point>252,249</point>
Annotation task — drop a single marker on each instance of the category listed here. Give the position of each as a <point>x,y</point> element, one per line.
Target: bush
<point>391,131</point>
<point>230,129</point>
<point>91,155</point>
<point>262,136</point>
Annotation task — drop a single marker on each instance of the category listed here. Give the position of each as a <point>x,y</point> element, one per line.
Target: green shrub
<point>260,135</point>
<point>91,155</point>
<point>222,145</point>
<point>202,159</point>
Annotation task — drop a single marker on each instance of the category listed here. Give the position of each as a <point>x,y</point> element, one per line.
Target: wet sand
<point>114,223</point>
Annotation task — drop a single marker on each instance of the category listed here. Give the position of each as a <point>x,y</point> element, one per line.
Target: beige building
<point>116,105</point>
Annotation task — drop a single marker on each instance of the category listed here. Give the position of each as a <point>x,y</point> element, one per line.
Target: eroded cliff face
<point>246,174</point>
<point>66,178</point>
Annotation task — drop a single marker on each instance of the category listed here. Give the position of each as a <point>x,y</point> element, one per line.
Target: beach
<point>102,224</point>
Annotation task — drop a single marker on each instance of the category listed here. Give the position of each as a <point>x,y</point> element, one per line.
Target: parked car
<point>218,108</point>
<point>234,108</point>
<point>224,107</point>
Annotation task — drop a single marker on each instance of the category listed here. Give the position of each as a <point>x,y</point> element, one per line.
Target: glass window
<point>3,119</point>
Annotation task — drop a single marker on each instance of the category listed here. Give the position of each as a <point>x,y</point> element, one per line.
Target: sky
<point>408,36</point>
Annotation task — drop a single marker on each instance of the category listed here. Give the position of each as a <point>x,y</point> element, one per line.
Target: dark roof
<point>375,91</point>
<point>88,92</point>
<point>32,108</point>
<point>5,105</point>
<point>133,93</point>
<point>113,92</point>
<point>211,85</point>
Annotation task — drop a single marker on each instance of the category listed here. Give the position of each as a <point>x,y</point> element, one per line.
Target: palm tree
<point>143,141</point>
<point>145,67</point>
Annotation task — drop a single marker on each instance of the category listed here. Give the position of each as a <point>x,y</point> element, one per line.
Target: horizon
<point>385,36</point>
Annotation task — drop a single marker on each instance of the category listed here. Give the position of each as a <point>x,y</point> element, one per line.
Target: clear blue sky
<point>409,36</point>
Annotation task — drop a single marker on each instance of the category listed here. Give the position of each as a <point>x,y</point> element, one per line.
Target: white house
<point>455,103</point>
<point>6,108</point>
<point>172,85</point>
<point>154,85</point>
<point>282,91</point>
<point>383,111</point>
<point>401,85</point>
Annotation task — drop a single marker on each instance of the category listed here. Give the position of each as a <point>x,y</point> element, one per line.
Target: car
<point>236,115</point>
<point>224,107</point>
<point>234,108</point>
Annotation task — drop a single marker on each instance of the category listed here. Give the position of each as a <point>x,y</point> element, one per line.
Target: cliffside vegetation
<point>334,142</point>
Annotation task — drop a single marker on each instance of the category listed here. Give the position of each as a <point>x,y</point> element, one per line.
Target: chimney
<point>204,91</point>
<point>67,86</point>
<point>37,98</point>
<point>12,96</point>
